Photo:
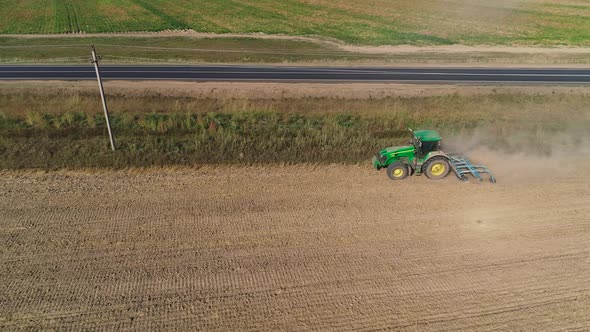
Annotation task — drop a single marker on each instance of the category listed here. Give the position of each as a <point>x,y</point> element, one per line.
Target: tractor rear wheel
<point>437,168</point>
<point>397,171</point>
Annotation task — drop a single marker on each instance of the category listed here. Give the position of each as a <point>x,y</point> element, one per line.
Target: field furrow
<point>292,248</point>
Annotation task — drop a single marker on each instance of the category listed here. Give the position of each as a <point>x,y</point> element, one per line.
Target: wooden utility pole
<point>95,60</point>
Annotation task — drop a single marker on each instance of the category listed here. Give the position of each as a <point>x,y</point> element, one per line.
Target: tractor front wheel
<point>397,171</point>
<point>437,168</point>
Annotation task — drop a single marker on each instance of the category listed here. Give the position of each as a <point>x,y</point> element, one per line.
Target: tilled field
<point>292,248</point>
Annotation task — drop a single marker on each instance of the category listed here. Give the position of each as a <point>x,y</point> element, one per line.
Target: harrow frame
<point>463,167</point>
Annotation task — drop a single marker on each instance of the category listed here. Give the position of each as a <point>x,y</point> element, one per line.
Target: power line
<point>240,51</point>
<point>44,46</point>
<point>50,60</point>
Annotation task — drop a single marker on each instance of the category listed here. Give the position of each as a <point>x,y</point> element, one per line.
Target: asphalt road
<point>315,74</point>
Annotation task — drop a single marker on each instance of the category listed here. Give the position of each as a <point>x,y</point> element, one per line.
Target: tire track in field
<point>174,22</point>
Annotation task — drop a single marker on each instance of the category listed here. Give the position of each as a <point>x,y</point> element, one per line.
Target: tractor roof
<point>427,135</point>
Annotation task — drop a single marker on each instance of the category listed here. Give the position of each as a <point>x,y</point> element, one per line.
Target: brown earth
<point>293,248</point>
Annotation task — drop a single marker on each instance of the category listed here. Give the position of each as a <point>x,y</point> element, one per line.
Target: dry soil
<point>292,248</point>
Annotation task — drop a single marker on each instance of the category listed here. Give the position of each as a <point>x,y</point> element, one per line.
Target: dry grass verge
<point>191,49</point>
<point>66,129</point>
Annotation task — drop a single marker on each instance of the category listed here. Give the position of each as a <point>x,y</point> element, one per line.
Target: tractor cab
<point>425,141</point>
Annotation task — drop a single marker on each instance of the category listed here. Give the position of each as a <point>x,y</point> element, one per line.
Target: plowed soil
<point>292,248</point>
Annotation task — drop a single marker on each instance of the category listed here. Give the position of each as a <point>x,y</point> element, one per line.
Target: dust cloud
<point>517,157</point>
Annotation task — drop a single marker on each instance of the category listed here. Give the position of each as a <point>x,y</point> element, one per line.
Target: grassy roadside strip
<point>69,50</point>
<point>67,131</point>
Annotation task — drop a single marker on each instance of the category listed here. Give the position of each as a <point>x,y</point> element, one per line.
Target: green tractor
<point>424,155</point>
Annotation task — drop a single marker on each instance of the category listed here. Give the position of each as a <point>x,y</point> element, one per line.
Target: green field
<point>371,22</point>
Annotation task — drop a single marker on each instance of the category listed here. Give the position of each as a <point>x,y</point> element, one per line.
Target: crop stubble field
<point>294,248</point>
